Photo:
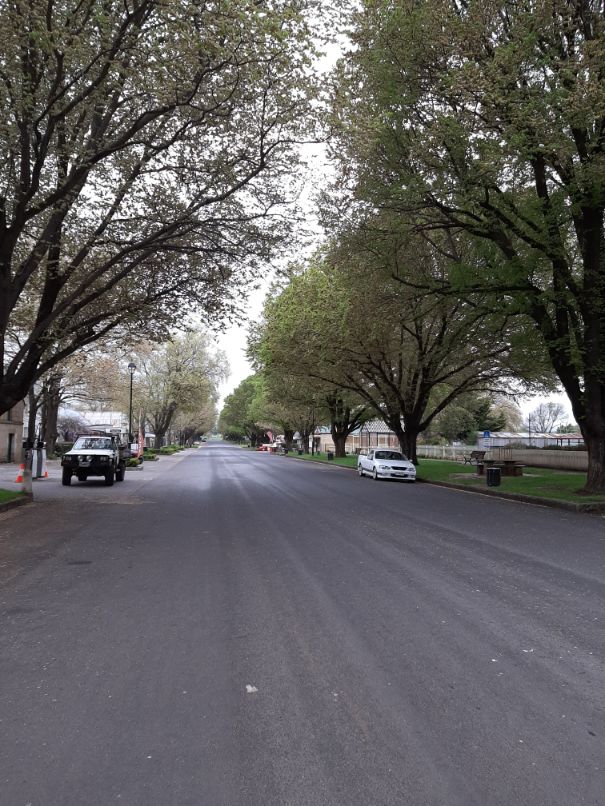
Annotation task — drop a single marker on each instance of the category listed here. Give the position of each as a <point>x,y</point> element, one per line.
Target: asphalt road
<point>230,628</point>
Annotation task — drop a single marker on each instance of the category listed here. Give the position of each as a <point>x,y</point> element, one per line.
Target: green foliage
<point>569,428</point>
<point>487,118</point>
<point>461,421</point>
<point>241,411</point>
<point>177,384</point>
<point>145,148</point>
<point>486,419</point>
<point>349,321</point>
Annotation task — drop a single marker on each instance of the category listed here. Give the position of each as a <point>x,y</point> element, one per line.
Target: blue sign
<point>486,435</point>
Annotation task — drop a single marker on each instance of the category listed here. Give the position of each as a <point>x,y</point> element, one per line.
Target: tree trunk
<point>408,437</point>
<point>305,434</point>
<point>595,444</point>
<point>31,414</point>
<point>289,438</point>
<point>51,399</point>
<point>589,411</point>
<point>341,423</point>
<point>161,421</point>
<point>408,442</point>
<point>340,441</point>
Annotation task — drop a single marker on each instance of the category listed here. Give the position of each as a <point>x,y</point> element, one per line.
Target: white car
<point>383,463</point>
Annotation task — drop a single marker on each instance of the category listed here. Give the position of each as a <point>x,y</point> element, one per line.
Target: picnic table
<point>508,467</point>
<point>474,457</point>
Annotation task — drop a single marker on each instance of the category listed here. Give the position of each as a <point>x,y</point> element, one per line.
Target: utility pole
<point>132,369</point>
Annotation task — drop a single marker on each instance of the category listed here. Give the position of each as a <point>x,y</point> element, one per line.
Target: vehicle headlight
<point>383,467</point>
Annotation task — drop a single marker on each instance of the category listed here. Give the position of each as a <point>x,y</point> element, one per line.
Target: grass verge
<point>538,482</point>
<point>9,495</point>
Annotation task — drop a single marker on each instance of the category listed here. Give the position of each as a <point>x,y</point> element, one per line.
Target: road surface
<point>229,628</point>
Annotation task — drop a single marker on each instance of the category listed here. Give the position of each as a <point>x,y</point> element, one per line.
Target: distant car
<point>382,463</point>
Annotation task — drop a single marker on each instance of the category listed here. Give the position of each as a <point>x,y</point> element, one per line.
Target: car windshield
<point>389,455</point>
<point>92,443</point>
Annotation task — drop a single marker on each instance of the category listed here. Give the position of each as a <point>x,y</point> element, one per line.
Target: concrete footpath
<point>10,470</point>
<point>8,481</point>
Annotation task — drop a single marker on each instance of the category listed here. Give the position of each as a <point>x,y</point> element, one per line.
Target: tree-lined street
<point>228,627</point>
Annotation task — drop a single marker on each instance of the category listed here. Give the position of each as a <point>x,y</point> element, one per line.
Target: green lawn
<point>536,481</point>
<point>8,495</point>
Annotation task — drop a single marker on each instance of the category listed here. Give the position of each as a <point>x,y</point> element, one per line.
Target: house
<point>372,434</point>
<point>11,434</point>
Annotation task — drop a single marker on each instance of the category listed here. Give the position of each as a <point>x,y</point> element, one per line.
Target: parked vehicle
<point>95,454</point>
<point>383,463</point>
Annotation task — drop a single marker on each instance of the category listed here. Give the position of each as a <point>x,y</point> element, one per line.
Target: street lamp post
<point>132,369</point>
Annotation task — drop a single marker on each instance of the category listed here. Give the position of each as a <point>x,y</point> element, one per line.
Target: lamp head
<point>132,368</point>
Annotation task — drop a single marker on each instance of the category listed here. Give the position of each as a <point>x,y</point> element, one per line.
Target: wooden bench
<point>474,458</point>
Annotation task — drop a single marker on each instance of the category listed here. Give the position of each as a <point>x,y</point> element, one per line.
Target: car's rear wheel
<point>374,475</point>
<point>360,470</point>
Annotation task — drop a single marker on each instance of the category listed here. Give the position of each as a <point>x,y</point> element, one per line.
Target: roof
<point>530,435</point>
<point>374,426</point>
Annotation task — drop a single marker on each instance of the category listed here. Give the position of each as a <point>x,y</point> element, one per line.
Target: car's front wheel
<point>109,478</point>
<point>375,474</point>
<point>66,477</point>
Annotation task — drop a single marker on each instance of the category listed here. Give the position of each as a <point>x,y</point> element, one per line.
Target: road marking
<point>251,689</point>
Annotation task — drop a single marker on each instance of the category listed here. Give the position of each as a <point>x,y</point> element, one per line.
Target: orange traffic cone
<point>19,479</point>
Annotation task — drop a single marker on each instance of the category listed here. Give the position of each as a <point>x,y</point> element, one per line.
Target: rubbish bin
<point>300,453</point>
<point>493,476</point>
<point>330,454</point>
